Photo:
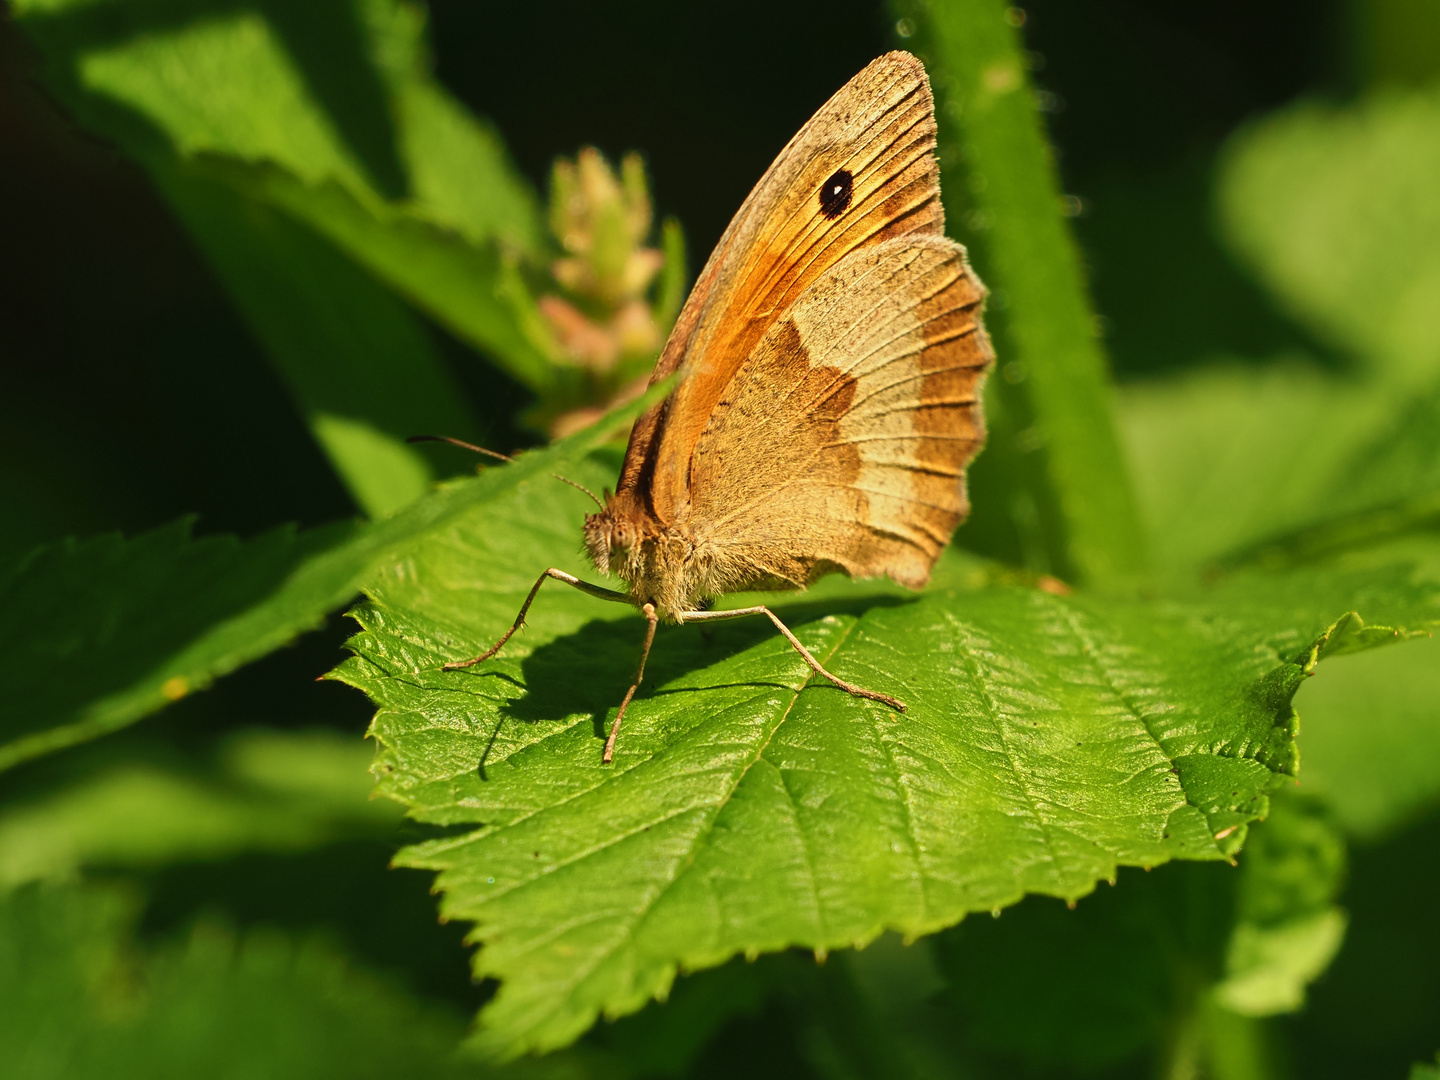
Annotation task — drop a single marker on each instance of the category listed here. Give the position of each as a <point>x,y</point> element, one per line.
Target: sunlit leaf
<point>1049,740</point>
<point>327,112</point>
<point>1279,464</point>
<point>1227,456</point>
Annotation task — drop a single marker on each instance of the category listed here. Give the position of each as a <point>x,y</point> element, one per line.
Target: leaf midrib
<point>916,847</point>
<point>972,667</point>
<point>1077,627</point>
<point>790,795</point>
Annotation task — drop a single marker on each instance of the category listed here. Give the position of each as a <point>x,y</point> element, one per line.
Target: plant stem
<point>1054,431</point>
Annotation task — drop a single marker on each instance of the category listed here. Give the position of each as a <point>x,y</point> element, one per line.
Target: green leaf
<point>1054,436</point>
<point>1422,1071</point>
<point>1048,741</point>
<point>274,791</point>
<point>1171,961</point>
<point>1389,487</point>
<point>82,999</point>
<point>1338,211</point>
<point>226,84</point>
<point>1372,738</point>
<point>1271,966</point>
<point>450,247</point>
<point>361,368</point>
<point>1400,460</point>
<point>1228,456</point>
<point>336,90</point>
<point>96,635</point>
<point>1287,928</point>
<point>461,176</point>
<point>1278,464</point>
<point>327,112</point>
<point>474,291</point>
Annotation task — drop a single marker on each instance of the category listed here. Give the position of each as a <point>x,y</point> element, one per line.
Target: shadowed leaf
<point>81,999</point>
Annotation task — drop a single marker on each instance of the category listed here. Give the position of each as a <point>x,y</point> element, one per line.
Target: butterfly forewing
<point>876,138</point>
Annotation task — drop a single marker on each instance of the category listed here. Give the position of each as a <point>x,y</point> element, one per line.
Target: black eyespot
<point>835,194</point>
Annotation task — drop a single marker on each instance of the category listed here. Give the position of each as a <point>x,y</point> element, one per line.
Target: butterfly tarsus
<point>558,575</point>
<point>653,619</point>
<point>815,665</point>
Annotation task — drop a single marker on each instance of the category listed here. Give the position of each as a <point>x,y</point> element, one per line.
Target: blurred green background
<point>133,392</point>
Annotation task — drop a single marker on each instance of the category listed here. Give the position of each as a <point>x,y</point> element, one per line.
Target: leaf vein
<point>992,709</point>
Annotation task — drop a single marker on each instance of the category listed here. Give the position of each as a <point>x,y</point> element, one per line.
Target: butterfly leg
<point>558,575</point>
<point>849,688</point>
<point>653,619</point>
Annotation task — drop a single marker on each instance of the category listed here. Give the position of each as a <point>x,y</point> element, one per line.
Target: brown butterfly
<point>831,358</point>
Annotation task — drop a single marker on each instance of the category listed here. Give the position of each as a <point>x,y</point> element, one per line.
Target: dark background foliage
<point>132,393</point>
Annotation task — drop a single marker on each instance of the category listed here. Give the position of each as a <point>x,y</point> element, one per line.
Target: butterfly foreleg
<point>653,619</point>
<point>558,575</point>
<point>815,665</point>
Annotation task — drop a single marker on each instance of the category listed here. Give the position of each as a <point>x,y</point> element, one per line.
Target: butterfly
<point>830,360</point>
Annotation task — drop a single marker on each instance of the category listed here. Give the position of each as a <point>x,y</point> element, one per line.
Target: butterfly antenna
<point>502,457</point>
<point>579,487</point>
<point>460,443</point>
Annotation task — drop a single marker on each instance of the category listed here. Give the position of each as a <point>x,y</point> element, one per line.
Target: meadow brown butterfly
<point>831,358</point>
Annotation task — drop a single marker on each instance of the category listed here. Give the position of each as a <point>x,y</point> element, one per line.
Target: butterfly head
<point>611,539</point>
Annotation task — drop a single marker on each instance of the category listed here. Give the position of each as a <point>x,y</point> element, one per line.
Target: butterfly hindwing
<point>856,415</point>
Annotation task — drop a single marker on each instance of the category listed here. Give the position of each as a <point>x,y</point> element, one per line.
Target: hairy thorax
<point>664,566</point>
